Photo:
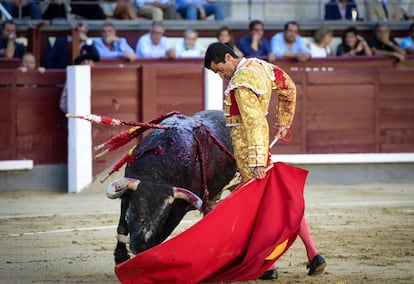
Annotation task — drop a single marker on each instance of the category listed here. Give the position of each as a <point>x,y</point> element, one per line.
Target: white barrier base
<point>15,165</point>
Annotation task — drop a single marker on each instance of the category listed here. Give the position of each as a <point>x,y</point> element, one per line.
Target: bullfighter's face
<point>225,69</point>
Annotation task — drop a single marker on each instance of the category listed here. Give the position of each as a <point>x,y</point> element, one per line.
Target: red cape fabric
<point>234,241</point>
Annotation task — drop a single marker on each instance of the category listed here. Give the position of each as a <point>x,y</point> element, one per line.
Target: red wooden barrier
<point>347,109</point>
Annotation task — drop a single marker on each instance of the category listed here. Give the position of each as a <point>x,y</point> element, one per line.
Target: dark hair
<point>348,30</point>
<point>291,23</point>
<point>7,22</point>
<point>87,52</point>
<point>255,22</point>
<point>216,52</point>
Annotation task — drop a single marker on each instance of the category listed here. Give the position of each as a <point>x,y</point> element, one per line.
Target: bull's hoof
<point>121,253</point>
<point>121,256</point>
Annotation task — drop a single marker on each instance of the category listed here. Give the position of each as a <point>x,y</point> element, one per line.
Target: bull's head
<point>148,212</point>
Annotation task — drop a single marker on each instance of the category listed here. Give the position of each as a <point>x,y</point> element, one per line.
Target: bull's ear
<point>190,197</point>
<point>118,187</point>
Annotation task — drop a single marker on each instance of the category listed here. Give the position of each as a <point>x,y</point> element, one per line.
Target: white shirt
<point>318,52</point>
<point>147,49</point>
<point>197,51</point>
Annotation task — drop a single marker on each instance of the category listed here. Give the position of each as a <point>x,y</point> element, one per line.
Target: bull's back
<point>173,156</point>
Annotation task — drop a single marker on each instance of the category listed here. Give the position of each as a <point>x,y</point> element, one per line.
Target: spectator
<point>82,30</point>
<point>154,44</point>
<point>383,10</point>
<point>225,35</point>
<point>90,11</point>
<point>289,44</point>
<point>124,11</point>
<point>353,44</point>
<point>156,10</point>
<point>321,46</point>
<point>29,63</point>
<point>57,56</point>
<point>383,44</point>
<point>341,10</point>
<point>254,44</point>
<point>112,46</point>
<point>29,8</point>
<point>408,42</point>
<point>199,9</point>
<point>88,56</point>
<point>9,48</point>
<point>55,9</point>
<point>189,47</point>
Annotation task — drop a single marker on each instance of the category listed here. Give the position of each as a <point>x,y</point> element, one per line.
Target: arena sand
<point>365,232</point>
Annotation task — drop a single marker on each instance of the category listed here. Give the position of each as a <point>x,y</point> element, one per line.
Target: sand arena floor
<point>365,232</point>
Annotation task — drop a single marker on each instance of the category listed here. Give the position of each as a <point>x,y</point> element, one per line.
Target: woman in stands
<point>353,44</point>
<point>321,47</point>
<point>225,35</point>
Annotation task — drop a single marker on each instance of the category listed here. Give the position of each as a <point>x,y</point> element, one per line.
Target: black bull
<point>189,155</point>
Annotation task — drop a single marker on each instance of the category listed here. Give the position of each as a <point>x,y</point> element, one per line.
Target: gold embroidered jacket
<point>246,104</point>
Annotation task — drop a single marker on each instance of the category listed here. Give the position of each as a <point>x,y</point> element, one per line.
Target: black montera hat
<point>87,52</point>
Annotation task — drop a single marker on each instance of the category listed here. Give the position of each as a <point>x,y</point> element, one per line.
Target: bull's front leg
<point>121,251</point>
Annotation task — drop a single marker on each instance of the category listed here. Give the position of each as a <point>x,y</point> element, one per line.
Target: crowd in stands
<point>286,44</point>
<point>154,44</point>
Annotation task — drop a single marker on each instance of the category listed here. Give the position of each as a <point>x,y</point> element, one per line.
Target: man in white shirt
<point>154,44</point>
<point>189,47</point>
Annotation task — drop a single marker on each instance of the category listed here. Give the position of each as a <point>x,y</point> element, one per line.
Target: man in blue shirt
<point>254,44</point>
<point>112,46</point>
<point>199,9</point>
<point>154,44</point>
<point>289,44</point>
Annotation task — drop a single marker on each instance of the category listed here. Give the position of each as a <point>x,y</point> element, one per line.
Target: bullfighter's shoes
<point>269,275</point>
<point>316,266</point>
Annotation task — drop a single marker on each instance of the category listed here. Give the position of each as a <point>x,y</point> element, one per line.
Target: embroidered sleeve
<point>286,91</point>
<point>257,129</point>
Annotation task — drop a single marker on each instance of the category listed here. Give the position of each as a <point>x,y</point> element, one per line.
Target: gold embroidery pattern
<point>253,87</point>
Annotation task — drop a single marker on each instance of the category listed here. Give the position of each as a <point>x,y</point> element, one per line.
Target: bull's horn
<point>191,197</point>
<point>118,187</point>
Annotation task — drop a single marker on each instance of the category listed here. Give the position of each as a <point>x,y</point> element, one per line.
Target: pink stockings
<point>305,235</point>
